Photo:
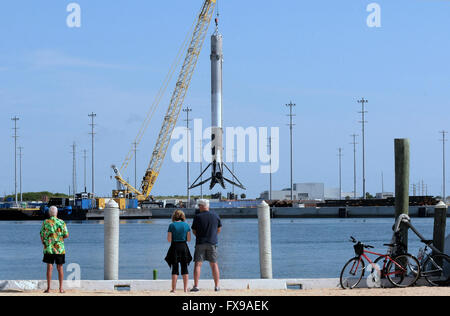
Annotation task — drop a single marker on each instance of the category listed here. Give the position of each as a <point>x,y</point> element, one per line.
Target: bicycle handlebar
<point>352,239</point>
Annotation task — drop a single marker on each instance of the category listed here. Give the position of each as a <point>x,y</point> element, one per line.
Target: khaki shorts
<point>206,252</point>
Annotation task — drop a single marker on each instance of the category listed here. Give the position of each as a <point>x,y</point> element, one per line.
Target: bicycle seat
<point>389,245</point>
<point>427,242</point>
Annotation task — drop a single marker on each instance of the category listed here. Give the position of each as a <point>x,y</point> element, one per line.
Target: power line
<point>85,158</point>
<point>92,133</point>
<point>363,122</point>
<point>15,136</point>
<point>74,169</point>
<point>201,166</point>
<point>443,164</point>
<point>232,170</point>
<point>354,143</point>
<point>291,125</point>
<point>187,110</point>
<point>20,173</point>
<point>135,163</point>
<point>269,145</point>
<point>340,172</point>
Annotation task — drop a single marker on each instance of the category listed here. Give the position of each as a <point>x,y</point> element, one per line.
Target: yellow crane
<point>176,102</point>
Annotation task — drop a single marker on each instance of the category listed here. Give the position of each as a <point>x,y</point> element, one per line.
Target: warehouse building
<point>307,191</point>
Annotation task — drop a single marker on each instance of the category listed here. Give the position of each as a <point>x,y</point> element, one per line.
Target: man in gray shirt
<point>206,226</point>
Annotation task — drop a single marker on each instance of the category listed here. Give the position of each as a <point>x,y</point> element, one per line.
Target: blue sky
<point>319,54</point>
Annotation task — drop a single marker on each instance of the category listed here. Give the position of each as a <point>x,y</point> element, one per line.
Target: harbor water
<point>301,248</point>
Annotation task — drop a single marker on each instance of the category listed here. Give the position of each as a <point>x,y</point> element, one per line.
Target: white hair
<point>53,211</point>
<point>203,202</point>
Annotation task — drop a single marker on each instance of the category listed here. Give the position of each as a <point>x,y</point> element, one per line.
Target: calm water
<point>301,248</point>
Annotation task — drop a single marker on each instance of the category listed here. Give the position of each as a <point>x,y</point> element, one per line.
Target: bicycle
<point>434,264</point>
<point>401,271</point>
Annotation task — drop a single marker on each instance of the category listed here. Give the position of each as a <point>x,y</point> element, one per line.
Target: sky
<point>320,54</point>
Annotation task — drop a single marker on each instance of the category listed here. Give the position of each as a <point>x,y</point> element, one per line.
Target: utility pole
<point>444,197</point>
<point>232,170</point>
<point>135,164</point>
<point>20,173</point>
<point>187,110</point>
<point>85,157</point>
<point>92,116</point>
<point>291,125</point>
<point>382,184</point>
<point>201,166</point>
<point>270,174</point>
<point>363,113</point>
<point>340,172</point>
<point>74,169</point>
<point>15,119</point>
<point>354,143</point>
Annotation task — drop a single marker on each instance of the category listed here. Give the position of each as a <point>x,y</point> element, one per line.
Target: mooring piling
<point>111,242</point>
<point>265,242</point>
<point>402,165</point>
<point>440,219</point>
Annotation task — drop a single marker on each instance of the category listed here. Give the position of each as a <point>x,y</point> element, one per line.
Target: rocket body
<point>216,98</point>
<point>217,164</point>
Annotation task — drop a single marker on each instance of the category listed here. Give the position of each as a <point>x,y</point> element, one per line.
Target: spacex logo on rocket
<point>260,144</point>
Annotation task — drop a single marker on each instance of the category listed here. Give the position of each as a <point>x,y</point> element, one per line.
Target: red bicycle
<point>401,271</point>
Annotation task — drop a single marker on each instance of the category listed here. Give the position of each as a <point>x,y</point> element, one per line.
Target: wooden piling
<point>440,222</point>
<point>402,167</point>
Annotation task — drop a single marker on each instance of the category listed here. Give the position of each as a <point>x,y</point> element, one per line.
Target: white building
<point>301,191</point>
<point>385,195</point>
<point>307,191</point>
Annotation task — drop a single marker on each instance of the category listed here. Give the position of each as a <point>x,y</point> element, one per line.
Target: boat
<point>66,212</point>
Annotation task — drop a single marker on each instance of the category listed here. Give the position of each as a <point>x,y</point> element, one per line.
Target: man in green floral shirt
<point>53,233</point>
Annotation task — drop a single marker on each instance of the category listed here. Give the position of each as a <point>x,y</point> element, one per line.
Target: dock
<point>276,212</point>
<point>245,213</point>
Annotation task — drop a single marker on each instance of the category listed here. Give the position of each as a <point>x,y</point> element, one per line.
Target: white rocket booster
<point>217,165</point>
<point>216,97</point>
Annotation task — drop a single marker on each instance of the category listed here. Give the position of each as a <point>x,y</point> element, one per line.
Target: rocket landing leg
<point>217,177</point>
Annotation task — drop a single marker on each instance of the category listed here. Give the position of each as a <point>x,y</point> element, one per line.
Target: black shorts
<point>52,259</point>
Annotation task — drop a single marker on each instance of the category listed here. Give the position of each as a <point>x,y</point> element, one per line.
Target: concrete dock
<point>243,286</point>
<point>276,212</point>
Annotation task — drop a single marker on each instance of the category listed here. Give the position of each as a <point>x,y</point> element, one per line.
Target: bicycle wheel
<point>352,273</point>
<point>436,270</point>
<point>403,271</point>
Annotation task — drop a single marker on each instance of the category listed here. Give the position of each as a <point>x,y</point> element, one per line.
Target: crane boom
<point>175,105</point>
